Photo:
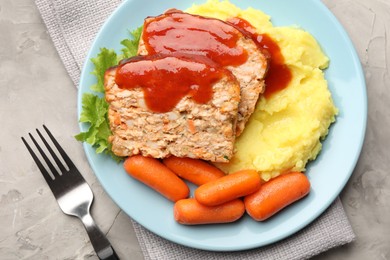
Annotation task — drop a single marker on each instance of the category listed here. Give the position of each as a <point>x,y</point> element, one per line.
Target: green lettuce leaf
<point>94,111</point>
<point>94,106</point>
<point>104,60</point>
<point>131,45</point>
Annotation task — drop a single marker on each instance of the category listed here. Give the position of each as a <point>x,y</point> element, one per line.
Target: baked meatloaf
<point>249,74</point>
<point>195,130</point>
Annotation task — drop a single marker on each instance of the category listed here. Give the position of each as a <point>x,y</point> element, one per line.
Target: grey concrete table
<point>35,89</point>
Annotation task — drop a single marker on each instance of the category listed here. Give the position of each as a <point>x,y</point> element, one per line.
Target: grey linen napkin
<point>72,25</point>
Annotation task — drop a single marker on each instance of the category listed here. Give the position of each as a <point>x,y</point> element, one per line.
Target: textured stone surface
<point>35,89</point>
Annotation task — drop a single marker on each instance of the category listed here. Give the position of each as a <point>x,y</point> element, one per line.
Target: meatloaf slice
<point>250,74</point>
<point>205,131</point>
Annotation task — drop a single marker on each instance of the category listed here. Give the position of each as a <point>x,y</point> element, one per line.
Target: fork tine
<point>59,148</point>
<point>38,162</point>
<point>55,157</point>
<point>47,160</point>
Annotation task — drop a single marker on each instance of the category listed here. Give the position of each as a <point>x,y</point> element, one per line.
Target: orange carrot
<point>276,194</point>
<point>196,171</point>
<point>191,126</point>
<point>229,187</point>
<point>156,175</point>
<point>191,212</point>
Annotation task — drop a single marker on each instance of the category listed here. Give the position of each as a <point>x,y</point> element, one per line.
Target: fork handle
<point>100,243</point>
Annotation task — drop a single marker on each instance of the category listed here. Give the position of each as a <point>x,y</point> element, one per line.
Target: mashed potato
<point>285,131</point>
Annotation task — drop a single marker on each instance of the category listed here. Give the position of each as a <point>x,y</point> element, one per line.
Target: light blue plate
<point>328,174</point>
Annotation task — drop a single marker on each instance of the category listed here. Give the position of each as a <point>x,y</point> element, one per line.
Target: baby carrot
<point>191,212</point>
<point>156,175</point>
<point>227,188</point>
<point>196,171</point>
<point>276,194</point>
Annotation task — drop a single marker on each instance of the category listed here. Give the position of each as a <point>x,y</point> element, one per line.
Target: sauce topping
<point>176,31</point>
<point>166,79</point>
<point>186,56</point>
<point>279,75</point>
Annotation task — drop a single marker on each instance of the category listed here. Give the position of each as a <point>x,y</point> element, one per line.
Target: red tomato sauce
<point>278,75</point>
<point>166,79</point>
<point>186,56</point>
<point>181,32</point>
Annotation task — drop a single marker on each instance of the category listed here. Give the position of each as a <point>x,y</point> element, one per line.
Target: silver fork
<point>73,194</point>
